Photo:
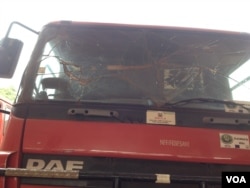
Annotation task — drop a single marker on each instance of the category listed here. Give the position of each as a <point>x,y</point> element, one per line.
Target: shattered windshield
<point>142,65</point>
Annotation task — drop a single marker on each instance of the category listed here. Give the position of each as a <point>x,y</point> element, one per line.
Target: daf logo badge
<point>227,139</point>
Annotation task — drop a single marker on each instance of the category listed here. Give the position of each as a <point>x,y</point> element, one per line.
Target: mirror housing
<point>10,50</point>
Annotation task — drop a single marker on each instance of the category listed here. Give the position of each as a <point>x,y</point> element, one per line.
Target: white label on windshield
<point>160,117</point>
<point>237,141</point>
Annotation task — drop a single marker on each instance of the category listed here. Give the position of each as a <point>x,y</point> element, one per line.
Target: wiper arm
<point>230,104</point>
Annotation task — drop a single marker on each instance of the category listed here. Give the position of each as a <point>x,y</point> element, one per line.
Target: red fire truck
<point>125,106</point>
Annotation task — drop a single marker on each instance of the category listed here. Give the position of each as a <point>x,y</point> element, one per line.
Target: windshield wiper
<point>229,104</point>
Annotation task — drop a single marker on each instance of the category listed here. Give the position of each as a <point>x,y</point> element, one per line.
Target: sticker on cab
<point>41,70</point>
<point>160,117</point>
<point>237,141</point>
<point>241,108</point>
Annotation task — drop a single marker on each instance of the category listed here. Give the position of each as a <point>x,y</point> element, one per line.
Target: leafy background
<point>8,93</point>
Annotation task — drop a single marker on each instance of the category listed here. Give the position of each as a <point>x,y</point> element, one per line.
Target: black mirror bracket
<point>22,25</point>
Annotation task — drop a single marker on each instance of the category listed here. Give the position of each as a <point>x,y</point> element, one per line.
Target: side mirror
<point>10,50</point>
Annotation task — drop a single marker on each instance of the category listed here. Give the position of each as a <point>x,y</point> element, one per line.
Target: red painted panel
<point>131,141</point>
<point>12,139</point>
<point>10,149</point>
<point>4,105</point>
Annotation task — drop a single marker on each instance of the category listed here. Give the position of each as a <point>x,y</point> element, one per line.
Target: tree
<point>8,93</point>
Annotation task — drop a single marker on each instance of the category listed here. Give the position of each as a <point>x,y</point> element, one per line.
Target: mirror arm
<point>22,25</point>
<point>4,111</point>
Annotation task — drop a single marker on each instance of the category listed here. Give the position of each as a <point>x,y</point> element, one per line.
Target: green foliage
<point>8,93</point>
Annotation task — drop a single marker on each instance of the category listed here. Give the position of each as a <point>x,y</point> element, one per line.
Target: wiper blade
<point>229,104</point>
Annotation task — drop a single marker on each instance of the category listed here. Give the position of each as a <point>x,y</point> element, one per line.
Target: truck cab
<point>125,106</point>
